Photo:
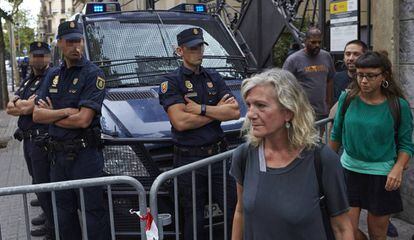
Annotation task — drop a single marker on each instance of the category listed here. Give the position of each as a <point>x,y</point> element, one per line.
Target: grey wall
<point>406,69</point>
<point>406,48</point>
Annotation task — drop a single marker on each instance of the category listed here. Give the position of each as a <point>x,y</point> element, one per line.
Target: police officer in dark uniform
<point>70,101</point>
<point>196,101</point>
<point>22,105</point>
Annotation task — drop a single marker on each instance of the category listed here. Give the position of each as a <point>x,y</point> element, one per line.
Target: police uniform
<point>206,88</point>
<point>77,153</point>
<point>30,133</point>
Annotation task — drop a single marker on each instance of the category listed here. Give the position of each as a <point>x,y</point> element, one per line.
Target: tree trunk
<point>4,93</point>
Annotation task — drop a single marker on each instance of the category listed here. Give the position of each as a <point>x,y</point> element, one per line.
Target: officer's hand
<point>14,98</point>
<point>226,99</point>
<point>32,98</point>
<point>44,104</point>
<point>191,106</point>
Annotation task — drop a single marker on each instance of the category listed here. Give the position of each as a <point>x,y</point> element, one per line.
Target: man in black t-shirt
<point>352,51</point>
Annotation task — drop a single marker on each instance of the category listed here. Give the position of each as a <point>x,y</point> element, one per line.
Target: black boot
<point>35,203</point>
<point>39,220</point>
<point>39,232</point>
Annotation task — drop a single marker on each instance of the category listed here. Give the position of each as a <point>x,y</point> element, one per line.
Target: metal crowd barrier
<point>324,128</point>
<point>322,125</point>
<point>172,174</point>
<point>79,184</point>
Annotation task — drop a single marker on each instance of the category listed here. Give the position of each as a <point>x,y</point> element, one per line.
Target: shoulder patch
<point>100,83</point>
<point>164,87</point>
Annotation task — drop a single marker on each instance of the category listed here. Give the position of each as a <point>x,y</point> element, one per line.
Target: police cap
<point>191,37</point>
<point>70,30</point>
<point>39,48</point>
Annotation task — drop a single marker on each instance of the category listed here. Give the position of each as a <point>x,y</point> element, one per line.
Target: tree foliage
<point>23,34</point>
<point>8,16</point>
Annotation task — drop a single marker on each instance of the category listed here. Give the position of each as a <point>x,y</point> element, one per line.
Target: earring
<point>287,125</point>
<point>385,84</point>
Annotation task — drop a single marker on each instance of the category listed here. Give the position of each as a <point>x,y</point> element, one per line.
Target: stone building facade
<point>52,13</point>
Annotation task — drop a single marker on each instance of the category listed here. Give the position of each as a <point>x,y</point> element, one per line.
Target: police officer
<point>70,101</point>
<point>196,101</point>
<point>22,105</point>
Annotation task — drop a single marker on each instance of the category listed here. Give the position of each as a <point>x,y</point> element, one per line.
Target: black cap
<point>39,48</point>
<point>70,30</point>
<point>191,37</point>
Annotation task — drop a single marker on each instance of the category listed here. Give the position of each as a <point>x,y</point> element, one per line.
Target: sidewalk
<point>13,172</point>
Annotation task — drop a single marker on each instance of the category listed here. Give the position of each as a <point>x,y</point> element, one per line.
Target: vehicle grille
<point>234,87</point>
<point>122,160</point>
<point>123,96</point>
<point>130,160</point>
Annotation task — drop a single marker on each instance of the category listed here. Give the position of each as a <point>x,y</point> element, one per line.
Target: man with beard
<point>22,105</point>
<point>70,101</point>
<point>197,100</point>
<point>352,51</point>
<point>315,70</point>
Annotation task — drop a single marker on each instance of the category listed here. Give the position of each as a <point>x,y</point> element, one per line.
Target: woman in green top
<point>373,158</point>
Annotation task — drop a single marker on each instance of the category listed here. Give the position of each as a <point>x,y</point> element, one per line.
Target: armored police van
<point>134,49</point>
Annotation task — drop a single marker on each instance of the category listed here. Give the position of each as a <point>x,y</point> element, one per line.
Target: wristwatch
<point>203,110</point>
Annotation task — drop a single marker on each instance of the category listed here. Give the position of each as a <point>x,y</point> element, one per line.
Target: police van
<point>135,49</point>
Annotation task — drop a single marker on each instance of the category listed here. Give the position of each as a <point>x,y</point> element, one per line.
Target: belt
<point>72,145</point>
<point>207,150</point>
<point>36,132</point>
<point>31,133</point>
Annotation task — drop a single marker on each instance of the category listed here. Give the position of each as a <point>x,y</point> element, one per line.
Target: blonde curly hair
<point>290,95</point>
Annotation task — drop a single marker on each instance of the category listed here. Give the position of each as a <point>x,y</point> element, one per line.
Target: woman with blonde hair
<point>277,184</point>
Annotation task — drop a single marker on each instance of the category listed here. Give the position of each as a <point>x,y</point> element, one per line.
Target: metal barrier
<point>324,129</point>
<point>79,184</point>
<point>172,174</point>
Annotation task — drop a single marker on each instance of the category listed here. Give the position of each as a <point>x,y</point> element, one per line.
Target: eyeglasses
<point>368,76</point>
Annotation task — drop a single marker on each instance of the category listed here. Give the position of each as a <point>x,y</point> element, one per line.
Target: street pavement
<point>13,172</point>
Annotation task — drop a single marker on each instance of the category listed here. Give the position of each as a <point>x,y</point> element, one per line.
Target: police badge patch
<point>164,87</point>
<point>75,81</point>
<point>39,44</point>
<point>188,84</point>
<point>55,81</point>
<point>100,83</point>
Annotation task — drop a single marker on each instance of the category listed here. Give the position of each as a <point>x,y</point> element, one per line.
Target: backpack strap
<point>395,109</point>
<point>244,149</point>
<point>318,168</point>
<point>346,104</point>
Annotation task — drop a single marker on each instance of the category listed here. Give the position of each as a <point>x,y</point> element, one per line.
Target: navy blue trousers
<point>38,165</point>
<point>88,164</point>
<point>184,186</point>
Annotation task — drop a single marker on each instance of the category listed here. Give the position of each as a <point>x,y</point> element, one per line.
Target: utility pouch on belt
<point>18,135</point>
<point>42,141</point>
<point>93,137</point>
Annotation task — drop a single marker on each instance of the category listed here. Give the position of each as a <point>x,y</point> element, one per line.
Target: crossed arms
<point>187,116</point>
<point>18,107</point>
<point>65,117</point>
